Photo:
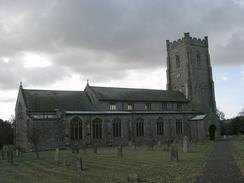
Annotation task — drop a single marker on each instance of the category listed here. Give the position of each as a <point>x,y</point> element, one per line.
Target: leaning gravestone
<point>185,147</point>
<point>56,156</point>
<point>120,151</point>
<point>133,178</point>
<point>174,156</point>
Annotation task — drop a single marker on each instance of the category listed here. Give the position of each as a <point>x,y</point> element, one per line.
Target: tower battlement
<point>187,39</point>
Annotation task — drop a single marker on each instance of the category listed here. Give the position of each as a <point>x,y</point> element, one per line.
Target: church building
<point>110,116</point>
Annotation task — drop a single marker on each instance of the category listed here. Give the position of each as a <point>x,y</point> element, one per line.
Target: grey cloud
<point>98,39</point>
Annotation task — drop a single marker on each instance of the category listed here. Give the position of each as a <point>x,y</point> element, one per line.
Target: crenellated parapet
<point>187,39</point>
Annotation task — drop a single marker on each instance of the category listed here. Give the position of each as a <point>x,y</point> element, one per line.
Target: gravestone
<point>133,178</point>
<point>135,146</point>
<point>174,156</point>
<point>17,152</point>
<point>79,164</point>
<point>130,143</point>
<point>3,154</point>
<point>56,156</point>
<point>95,149</point>
<point>84,148</point>
<point>151,145</point>
<point>185,147</point>
<point>12,157</point>
<point>120,151</point>
<point>159,143</point>
<point>8,156</point>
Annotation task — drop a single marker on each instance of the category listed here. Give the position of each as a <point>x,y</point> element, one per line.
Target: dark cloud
<point>99,39</point>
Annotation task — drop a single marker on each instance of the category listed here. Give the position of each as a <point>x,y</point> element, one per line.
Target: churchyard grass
<point>107,167</point>
<point>237,147</point>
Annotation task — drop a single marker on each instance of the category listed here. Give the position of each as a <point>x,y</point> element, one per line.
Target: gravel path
<point>221,166</point>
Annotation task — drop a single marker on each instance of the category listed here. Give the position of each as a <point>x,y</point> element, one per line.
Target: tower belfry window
<point>198,59</point>
<point>177,59</point>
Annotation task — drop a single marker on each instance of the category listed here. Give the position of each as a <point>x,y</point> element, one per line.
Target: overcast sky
<point>59,44</point>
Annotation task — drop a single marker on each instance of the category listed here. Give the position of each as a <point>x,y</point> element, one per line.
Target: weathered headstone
<point>17,152</point>
<point>120,151</point>
<point>77,149</point>
<point>8,156</point>
<point>65,162</point>
<point>3,154</point>
<point>185,147</point>
<point>84,147</point>
<point>130,143</point>
<point>133,178</point>
<point>174,153</point>
<point>12,157</point>
<point>159,143</point>
<point>79,164</point>
<point>135,146</point>
<point>95,149</point>
<point>151,145</point>
<point>56,156</point>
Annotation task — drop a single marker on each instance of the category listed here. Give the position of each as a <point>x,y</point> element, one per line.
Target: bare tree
<point>35,133</point>
<point>220,114</point>
<point>241,113</point>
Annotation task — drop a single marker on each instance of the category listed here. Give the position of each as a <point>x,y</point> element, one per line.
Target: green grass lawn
<point>238,151</point>
<point>106,166</point>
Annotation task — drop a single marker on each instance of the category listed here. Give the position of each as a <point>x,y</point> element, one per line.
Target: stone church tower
<point>189,71</point>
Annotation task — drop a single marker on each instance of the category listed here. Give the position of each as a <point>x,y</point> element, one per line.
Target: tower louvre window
<point>198,59</point>
<point>177,59</point>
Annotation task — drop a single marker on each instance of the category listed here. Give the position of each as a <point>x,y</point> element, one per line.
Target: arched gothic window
<point>76,129</point>
<point>160,126</point>
<point>177,60</point>
<point>179,126</point>
<point>139,127</point>
<point>97,128</point>
<point>116,127</point>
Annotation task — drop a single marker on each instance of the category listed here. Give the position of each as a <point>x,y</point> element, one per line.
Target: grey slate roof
<point>49,100</point>
<point>132,94</point>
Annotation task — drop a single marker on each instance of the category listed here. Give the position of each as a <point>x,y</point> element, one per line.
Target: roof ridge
<point>52,90</point>
<point>127,88</point>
